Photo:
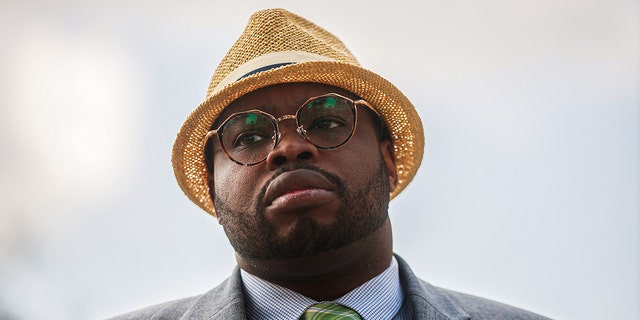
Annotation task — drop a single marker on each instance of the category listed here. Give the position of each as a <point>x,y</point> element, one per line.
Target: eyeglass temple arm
<point>209,134</point>
<point>382,125</point>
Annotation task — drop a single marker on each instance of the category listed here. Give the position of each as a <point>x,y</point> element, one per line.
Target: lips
<point>297,183</point>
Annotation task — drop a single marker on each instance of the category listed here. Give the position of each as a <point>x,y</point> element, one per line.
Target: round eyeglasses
<point>327,122</point>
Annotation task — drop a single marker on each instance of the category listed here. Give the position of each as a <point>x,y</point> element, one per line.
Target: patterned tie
<point>329,311</point>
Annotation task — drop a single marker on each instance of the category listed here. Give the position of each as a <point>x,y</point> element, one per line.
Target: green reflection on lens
<point>252,118</point>
<point>330,103</point>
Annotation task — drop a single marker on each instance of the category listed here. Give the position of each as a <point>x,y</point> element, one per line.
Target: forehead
<point>279,99</point>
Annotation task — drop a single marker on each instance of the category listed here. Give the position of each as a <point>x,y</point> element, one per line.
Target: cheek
<point>235,185</point>
<point>359,159</point>
<point>363,167</point>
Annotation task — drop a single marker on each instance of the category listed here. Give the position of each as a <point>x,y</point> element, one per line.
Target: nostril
<point>306,155</point>
<point>279,160</point>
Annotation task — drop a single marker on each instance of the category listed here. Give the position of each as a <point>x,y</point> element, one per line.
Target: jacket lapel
<point>223,302</point>
<point>425,300</point>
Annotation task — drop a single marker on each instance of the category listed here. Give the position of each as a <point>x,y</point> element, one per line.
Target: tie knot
<point>329,311</point>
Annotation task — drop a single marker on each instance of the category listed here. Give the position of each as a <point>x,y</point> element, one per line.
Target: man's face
<point>302,200</point>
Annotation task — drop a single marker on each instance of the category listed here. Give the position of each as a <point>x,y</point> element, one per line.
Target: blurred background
<point>528,193</point>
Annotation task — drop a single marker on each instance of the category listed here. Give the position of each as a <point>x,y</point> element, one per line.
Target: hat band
<point>265,68</point>
<point>267,62</point>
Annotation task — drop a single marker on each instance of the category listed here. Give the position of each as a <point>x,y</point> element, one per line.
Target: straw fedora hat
<point>278,46</point>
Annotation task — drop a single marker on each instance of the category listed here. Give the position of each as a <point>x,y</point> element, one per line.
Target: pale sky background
<point>528,193</point>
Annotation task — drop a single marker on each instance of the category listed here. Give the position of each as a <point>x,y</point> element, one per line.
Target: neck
<point>329,275</point>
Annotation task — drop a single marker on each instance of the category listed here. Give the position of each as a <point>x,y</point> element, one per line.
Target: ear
<point>212,191</point>
<point>386,148</point>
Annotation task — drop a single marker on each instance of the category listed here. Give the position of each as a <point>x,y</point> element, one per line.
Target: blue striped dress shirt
<point>377,299</point>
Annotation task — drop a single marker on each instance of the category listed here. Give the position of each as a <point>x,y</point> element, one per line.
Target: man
<point>296,152</point>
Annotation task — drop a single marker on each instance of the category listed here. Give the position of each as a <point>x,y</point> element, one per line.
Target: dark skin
<point>319,272</point>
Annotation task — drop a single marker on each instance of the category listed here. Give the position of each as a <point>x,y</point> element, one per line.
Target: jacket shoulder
<point>481,308</point>
<point>163,311</point>
<point>430,302</point>
<point>222,302</point>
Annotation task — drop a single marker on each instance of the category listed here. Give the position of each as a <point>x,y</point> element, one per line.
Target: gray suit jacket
<point>226,301</point>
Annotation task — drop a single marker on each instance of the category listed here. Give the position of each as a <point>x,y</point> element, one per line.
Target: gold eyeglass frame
<point>299,129</point>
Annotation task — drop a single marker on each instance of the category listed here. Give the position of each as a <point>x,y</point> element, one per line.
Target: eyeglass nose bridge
<point>286,117</point>
<point>301,131</point>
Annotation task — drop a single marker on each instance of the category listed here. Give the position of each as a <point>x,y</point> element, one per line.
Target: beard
<point>361,212</point>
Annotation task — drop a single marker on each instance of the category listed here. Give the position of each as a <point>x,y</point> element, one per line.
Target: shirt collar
<point>379,298</point>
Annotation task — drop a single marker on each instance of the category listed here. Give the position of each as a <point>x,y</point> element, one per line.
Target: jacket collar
<point>226,301</point>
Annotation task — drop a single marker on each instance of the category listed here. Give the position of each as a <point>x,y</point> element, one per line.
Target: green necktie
<point>329,311</point>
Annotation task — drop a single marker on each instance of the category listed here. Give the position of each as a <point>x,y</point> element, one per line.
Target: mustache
<point>339,183</point>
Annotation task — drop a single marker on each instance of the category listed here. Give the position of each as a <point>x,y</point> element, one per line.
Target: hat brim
<point>395,108</point>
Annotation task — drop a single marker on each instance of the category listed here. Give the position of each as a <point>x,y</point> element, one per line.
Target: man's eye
<point>249,139</point>
<point>327,123</point>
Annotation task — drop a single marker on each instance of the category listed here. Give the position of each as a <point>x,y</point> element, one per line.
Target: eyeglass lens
<point>327,123</point>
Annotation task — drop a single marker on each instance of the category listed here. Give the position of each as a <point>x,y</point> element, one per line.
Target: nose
<point>291,147</point>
